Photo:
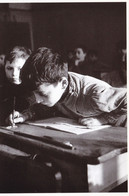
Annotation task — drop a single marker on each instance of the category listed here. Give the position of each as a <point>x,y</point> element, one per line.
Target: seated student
<point>10,81</point>
<point>79,64</point>
<point>90,101</point>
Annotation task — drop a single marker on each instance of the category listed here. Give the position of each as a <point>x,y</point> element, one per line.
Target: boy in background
<point>10,81</point>
<point>90,101</point>
<point>79,64</point>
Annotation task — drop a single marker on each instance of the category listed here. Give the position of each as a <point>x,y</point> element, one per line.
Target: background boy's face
<point>12,70</point>
<point>49,94</point>
<point>79,54</point>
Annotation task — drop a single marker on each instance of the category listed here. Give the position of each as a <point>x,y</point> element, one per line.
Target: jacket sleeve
<point>110,102</point>
<point>39,111</point>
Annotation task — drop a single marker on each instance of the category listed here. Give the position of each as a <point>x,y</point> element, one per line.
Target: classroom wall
<point>97,25</point>
<point>15,25</point>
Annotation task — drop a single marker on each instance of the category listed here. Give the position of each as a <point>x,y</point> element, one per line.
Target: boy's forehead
<point>15,63</point>
<point>43,86</point>
<point>79,50</point>
<point>2,56</point>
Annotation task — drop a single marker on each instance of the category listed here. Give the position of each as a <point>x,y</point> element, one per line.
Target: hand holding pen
<point>11,120</point>
<point>15,117</point>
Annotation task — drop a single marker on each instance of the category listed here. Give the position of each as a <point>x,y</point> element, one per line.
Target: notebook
<point>65,124</point>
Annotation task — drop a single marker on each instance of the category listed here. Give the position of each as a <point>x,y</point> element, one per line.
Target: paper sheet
<point>65,124</point>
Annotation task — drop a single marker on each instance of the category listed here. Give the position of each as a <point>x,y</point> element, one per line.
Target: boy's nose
<point>15,72</point>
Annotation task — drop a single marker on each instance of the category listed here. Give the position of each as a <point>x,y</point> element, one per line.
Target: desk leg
<point>74,176</point>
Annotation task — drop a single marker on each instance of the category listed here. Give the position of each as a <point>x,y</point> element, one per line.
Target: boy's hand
<point>76,62</point>
<point>18,118</point>
<point>92,122</point>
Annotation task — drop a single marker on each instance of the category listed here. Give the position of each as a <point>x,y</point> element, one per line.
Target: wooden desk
<point>97,164</point>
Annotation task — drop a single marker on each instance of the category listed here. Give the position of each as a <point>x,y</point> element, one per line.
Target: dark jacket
<point>7,93</point>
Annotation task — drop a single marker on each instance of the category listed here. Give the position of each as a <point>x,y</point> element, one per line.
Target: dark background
<point>61,26</point>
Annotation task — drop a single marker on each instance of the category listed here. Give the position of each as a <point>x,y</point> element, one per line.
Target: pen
<point>14,102</point>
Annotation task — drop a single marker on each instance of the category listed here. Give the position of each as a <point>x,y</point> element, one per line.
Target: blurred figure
<point>80,54</point>
<point>92,56</point>
<point>70,55</point>
<point>80,61</point>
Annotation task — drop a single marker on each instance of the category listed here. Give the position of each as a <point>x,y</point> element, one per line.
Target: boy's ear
<point>64,82</point>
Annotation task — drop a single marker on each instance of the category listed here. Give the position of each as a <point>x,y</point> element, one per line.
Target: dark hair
<point>44,65</point>
<point>17,52</point>
<point>82,47</point>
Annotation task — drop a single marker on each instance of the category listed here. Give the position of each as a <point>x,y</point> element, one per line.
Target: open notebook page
<point>64,124</point>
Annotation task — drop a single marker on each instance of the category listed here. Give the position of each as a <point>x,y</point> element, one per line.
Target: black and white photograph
<point>63,97</point>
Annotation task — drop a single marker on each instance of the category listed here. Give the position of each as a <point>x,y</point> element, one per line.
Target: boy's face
<point>12,70</point>
<point>79,54</point>
<point>49,94</point>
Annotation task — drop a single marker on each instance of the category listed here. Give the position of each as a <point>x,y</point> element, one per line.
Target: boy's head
<point>14,62</point>
<point>92,56</point>
<point>48,73</point>
<point>80,53</point>
<point>70,54</point>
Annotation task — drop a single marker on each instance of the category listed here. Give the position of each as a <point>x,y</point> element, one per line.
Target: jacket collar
<point>71,89</point>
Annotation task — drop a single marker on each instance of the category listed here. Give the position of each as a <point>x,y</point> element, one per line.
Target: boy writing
<point>10,82</point>
<point>90,101</point>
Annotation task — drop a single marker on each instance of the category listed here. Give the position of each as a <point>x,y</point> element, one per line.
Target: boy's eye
<point>9,68</point>
<point>42,94</point>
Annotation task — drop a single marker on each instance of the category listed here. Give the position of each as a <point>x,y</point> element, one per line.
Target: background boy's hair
<point>17,52</point>
<point>82,47</point>
<point>44,65</point>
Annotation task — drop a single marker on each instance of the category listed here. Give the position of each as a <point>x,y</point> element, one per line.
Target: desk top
<point>92,147</point>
